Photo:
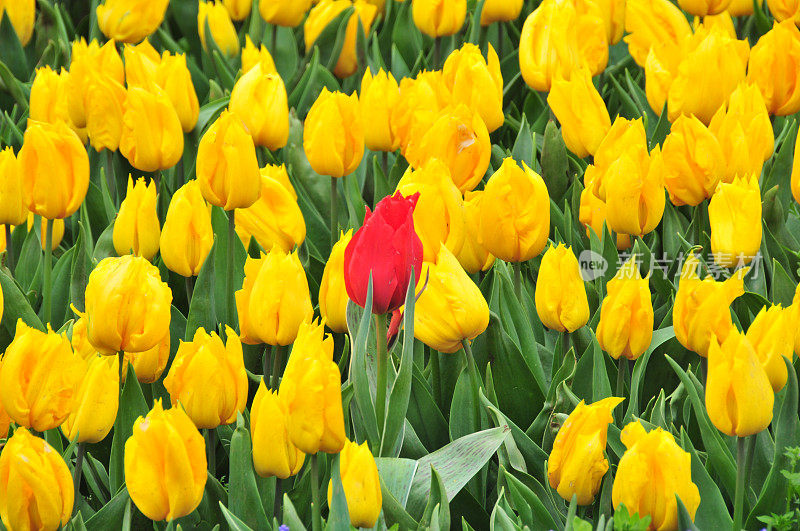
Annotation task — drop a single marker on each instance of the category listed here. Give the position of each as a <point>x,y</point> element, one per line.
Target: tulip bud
<point>287,13</point>
<point>775,68</point>
<point>742,8</point>
<point>421,101</point>
<point>274,300</point>
<point>238,9</point>
<point>222,30</point>
<point>187,236</point>
<point>259,100</point>
<point>327,10</point>
<point>361,483</point>
<point>772,336</point>
<point>332,291</point>
<point>459,138</point>
<point>12,201</point>
<point>252,56</point>
<point>577,465</point>
<point>652,472</point>
<point>625,136</point>
<point>49,99</point>
<point>104,108</point>
<point>379,97</point>
<point>141,64</point>
<point>593,214</point>
<point>476,82</point>
<point>613,14</point>
<point>36,489</point>
<point>165,464</point>
<point>451,308</point>
<point>581,112</point>
<point>781,10</point>
<point>44,402</point>
<point>635,192</point>
<point>333,134</point>
<point>97,401</point>
<point>734,214</point>
<point>5,420</point>
<point>152,138</point>
<point>439,18</point>
<point>652,22</point>
<point>439,213</point>
<point>387,248</point>
<point>312,391</point>
<point>559,37</point>
<point>702,307</point>
<point>739,397</point>
<point>130,20</point>
<point>273,452</point>
<point>41,231</point>
<point>208,378</point>
<point>693,162</point>
<point>227,167</point>
<point>173,76</point>
<point>500,11</point>
<point>701,8</point>
<point>136,229</point>
<point>56,169</point>
<point>87,61</point>
<point>149,364</point>
<point>514,213</point>
<point>473,256</point>
<point>560,294</point>
<point>796,313</point>
<point>118,291</point>
<point>22,15</point>
<point>626,316</point>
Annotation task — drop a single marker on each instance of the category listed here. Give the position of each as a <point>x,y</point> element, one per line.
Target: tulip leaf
<point>12,85</point>
<point>77,524</point>
<point>685,522</point>
<point>781,170</point>
<point>436,500</point>
<point>290,517</point>
<point>244,500</point>
<point>474,32</point>
<point>783,286</point>
<point>219,222</point>
<point>202,311</point>
<point>661,129</point>
<point>637,378</point>
<point>80,268</point>
<point>61,288</point>
<point>525,501</point>
<point>555,163</point>
<point>331,40</point>
<point>234,523</point>
<point>110,516</point>
<point>132,405</point>
<point>11,52</point>
<point>30,260</point>
<point>339,517</point>
<point>457,463</point>
<point>712,511</point>
<point>405,35</point>
<point>524,149</point>
<point>359,328</point>
<point>424,414</point>
<point>16,306</point>
<point>209,113</point>
<point>601,385</point>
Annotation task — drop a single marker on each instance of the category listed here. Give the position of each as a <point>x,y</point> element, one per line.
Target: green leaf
<point>555,164</point>
<point>132,405</point>
<point>331,40</point>
<point>60,289</point>
<point>244,500</point>
<point>30,259</point>
<point>11,51</point>
<point>436,500</point>
<point>357,373</point>
<point>202,311</point>
<point>685,522</point>
<point>234,523</point>
<point>637,378</point>
<point>80,268</point>
<point>339,517</point>
<point>524,499</point>
<point>524,148</point>
<point>712,512</point>
<point>783,286</point>
<point>110,516</point>
<point>16,306</point>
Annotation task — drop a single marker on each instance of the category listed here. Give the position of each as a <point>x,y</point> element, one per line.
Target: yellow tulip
<point>259,100</point>
<point>173,76</point>
<point>500,11</point>
<point>165,464</point>
<point>36,489</point>
<point>652,472</point>
<point>127,305</point>
<point>652,22</point>
<point>439,18</point>
<point>625,136</point>
<point>635,193</point>
<point>273,452</point>
<point>141,64</point>
<point>734,214</point>
<point>772,336</point>
<point>361,483</point>
<point>333,134</point>
<point>40,377</point>
<point>130,20</point>
<point>613,13</point>
<point>187,236</point>
<point>49,101</point>
<point>150,364</point>
<point>152,138</point>
<point>439,214</point>
<point>795,177</point>
<point>660,69</point>
<point>739,397</point>
<point>136,229</point>
<point>451,308</point>
<point>87,61</point>
<point>58,230</point>
<point>208,378</point>
<point>593,214</point>
<point>238,9</point>
<point>702,307</point>
<point>514,213</point>
<point>701,8</point>
<point>104,108</point>
<point>311,389</point>
<point>581,112</point>
<point>742,8</point>
<point>13,210</point>
<point>274,300</point>
<point>577,463</point>
<point>252,56</point>
<point>22,15</point>
<point>227,167</point>
<point>796,313</point>
<point>97,401</point>
<point>559,37</point>
<point>459,138</point>
<point>473,256</point>
<point>288,13</point>
<point>783,10</point>
<point>476,82</point>
<point>626,316</point>
<point>323,13</point>
<point>560,294</point>
<point>332,292</point>
<point>5,420</point>
<point>379,96</point>
<point>693,162</point>
<point>775,68</point>
<point>221,26</point>
<point>56,169</point>
<point>421,100</point>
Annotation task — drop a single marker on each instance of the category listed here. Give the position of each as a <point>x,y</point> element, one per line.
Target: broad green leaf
<point>234,523</point>
<point>110,516</point>
<point>437,510</point>
<point>712,510</point>
<point>131,406</point>
<point>243,498</point>
<point>202,309</point>
<point>339,517</point>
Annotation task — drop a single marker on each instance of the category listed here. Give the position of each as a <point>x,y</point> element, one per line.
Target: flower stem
<point>121,356</point>
<point>265,370</point>
<point>229,273</point>
<point>518,281</point>
<point>383,360</point>
<point>472,370</point>
<point>316,518</point>
<point>9,248</point>
<point>189,281</point>
<point>437,52</point>
<point>741,472</point>
<point>211,450</point>
<point>48,269</point>
<point>277,359</point>
<point>110,176</point>
<point>334,212</point>
<point>76,475</point>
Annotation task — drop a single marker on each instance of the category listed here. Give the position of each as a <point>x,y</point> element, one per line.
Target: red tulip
<point>388,247</point>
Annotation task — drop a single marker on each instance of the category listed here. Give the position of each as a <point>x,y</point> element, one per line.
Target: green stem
<point>472,370</point>
<point>76,475</point>
<point>278,504</point>
<point>265,371</point>
<point>110,176</point>
<point>499,40</point>
<point>316,513</point>
<point>48,269</point>
<point>741,473</point>
<point>437,51</point>
<point>231,320</point>
<point>385,165</point>
<point>121,356</point>
<point>9,248</point>
<point>211,450</point>
<point>436,377</point>
<point>383,361</point>
<point>274,40</point>
<point>621,370</point>
<point>334,212</point>
<point>518,281</point>
<point>277,359</point>
<point>189,281</point>
<point>748,461</point>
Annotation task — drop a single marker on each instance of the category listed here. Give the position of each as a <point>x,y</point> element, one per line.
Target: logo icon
<point>593,265</point>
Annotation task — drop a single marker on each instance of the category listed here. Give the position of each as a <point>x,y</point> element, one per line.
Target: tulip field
<point>500,265</point>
